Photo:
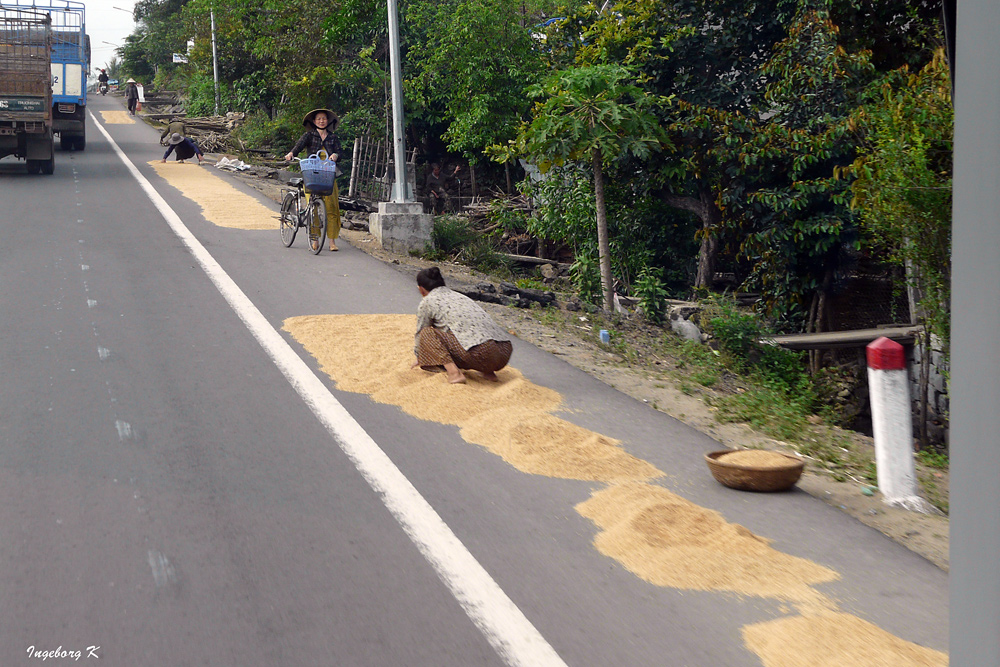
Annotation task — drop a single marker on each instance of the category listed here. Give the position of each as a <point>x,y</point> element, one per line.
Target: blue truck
<point>70,65</point>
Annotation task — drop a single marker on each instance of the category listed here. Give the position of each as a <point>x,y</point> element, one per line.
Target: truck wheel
<point>34,166</point>
<point>48,166</point>
<point>81,142</point>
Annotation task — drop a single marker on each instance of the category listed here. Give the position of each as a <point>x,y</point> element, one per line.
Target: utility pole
<point>400,191</point>
<point>400,224</point>
<point>215,61</point>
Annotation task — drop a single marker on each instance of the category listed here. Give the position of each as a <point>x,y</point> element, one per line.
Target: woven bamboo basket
<point>752,478</point>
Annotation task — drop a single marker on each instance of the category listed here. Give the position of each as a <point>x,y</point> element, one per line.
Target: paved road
<point>167,494</point>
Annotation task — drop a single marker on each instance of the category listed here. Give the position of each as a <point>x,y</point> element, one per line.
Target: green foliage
<point>903,182</point>
<point>767,410</point>
<point>738,335</point>
<point>590,114</point>
<point>564,207</point>
<point>792,218</point>
<point>201,95</point>
<point>455,239</point>
<point>530,283</point>
<point>586,109</point>
<point>472,63</point>
<point>896,32</point>
<point>652,296</point>
<point>586,276</point>
<point>735,332</point>
<point>259,131</point>
<point>450,233</point>
<point>933,458</point>
<point>509,218</point>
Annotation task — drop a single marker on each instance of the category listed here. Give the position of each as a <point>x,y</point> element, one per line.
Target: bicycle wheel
<point>317,225</point>
<point>289,219</point>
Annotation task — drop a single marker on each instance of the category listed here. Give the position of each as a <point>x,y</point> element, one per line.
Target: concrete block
<point>401,227</point>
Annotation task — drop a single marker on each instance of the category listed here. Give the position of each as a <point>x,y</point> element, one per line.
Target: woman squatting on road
<point>453,332</point>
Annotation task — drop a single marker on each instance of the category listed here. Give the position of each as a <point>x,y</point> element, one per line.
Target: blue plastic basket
<point>318,175</point>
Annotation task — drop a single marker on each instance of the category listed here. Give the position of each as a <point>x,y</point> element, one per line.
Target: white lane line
<point>124,430</point>
<point>507,629</point>
<point>163,569</point>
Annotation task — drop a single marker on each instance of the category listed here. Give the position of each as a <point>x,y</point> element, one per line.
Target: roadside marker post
<point>892,425</point>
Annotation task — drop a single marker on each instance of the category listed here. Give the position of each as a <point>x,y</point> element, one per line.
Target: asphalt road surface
<point>179,484</point>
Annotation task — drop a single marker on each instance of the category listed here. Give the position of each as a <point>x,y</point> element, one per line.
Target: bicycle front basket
<point>318,175</point>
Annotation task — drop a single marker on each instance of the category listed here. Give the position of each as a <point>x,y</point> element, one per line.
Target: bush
<point>259,131</point>
<point>652,295</point>
<point>454,238</point>
<point>586,277</point>
<point>738,333</point>
<point>450,233</point>
<point>735,332</point>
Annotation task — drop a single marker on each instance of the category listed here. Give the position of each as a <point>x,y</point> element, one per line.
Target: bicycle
<point>294,215</point>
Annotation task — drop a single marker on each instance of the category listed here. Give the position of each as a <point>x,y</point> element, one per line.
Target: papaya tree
<point>589,116</point>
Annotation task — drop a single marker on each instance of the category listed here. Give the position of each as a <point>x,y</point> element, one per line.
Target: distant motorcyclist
<point>102,79</point>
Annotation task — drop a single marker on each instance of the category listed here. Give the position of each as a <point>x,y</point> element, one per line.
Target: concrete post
<point>892,424</point>
<point>401,227</point>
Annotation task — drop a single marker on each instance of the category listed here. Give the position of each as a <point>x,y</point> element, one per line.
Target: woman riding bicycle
<point>320,138</point>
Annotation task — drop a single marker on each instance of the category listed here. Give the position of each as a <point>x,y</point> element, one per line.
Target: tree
<point>474,62</point>
<point>707,54</point>
<point>589,114</point>
<point>792,217</point>
<point>903,182</point>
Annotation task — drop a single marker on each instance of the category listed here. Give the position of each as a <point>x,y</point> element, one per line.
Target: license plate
<point>22,104</point>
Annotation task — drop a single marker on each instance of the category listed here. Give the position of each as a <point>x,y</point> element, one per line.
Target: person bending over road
<point>185,149</point>
<point>453,332</point>
<point>176,126</point>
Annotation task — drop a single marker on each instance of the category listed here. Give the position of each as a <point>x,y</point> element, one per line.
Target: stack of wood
<point>478,212</point>
<point>214,133</point>
<point>165,103</point>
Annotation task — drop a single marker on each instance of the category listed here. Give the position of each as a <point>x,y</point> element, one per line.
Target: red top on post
<point>885,355</point>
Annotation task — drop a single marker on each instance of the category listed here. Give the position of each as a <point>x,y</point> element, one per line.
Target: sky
<point>105,24</point>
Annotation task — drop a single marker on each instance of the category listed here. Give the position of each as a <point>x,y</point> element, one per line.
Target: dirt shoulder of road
<point>655,382</point>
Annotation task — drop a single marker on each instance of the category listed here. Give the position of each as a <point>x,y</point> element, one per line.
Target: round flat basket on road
<point>754,469</point>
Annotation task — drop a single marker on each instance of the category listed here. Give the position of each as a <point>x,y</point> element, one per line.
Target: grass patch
<point>933,458</point>
<point>455,239</point>
<point>767,410</point>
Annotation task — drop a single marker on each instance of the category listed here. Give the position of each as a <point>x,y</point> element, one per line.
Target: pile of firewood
<point>479,212</point>
<point>213,134</point>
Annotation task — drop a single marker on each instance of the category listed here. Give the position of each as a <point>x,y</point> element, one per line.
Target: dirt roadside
<point>925,534</point>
